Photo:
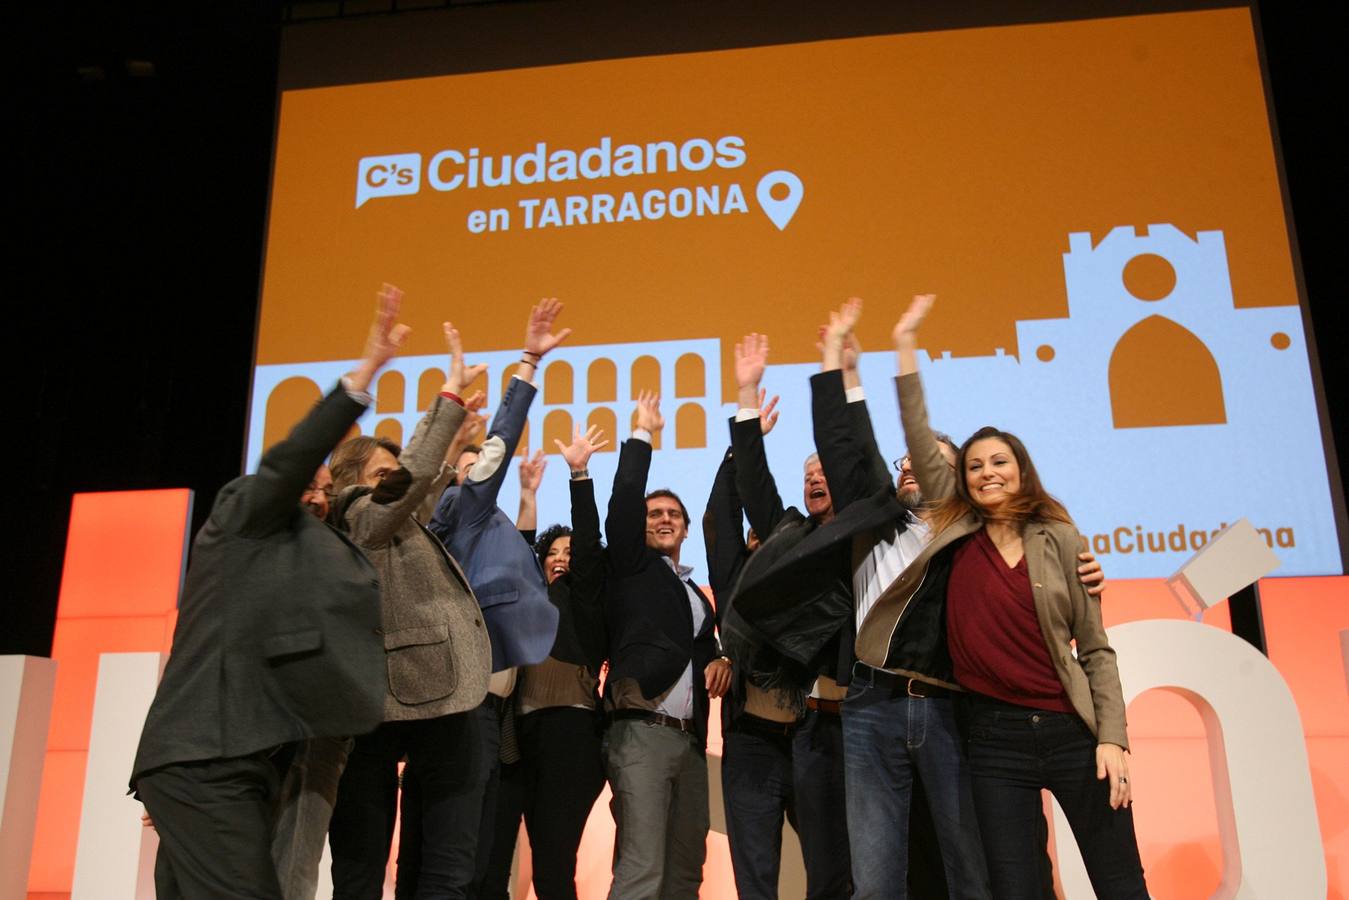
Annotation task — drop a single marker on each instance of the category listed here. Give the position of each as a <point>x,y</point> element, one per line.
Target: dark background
<point>143,134</point>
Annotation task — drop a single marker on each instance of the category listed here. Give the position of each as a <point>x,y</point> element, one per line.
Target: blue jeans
<point>887,738</point>
<point>1014,753</point>
<point>821,805</point>
<point>756,777</point>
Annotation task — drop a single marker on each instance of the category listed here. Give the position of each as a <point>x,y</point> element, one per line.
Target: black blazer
<point>578,595</point>
<point>797,590</point>
<point>647,610</point>
<point>277,637</point>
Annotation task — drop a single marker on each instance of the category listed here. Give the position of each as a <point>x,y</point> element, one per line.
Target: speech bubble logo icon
<point>780,212</point>
<point>388,176</point>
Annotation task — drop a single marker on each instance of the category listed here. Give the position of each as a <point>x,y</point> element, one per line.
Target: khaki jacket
<point>1065,612</point>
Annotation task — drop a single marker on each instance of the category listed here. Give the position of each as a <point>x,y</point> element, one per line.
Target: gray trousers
<point>304,806</point>
<point>659,783</point>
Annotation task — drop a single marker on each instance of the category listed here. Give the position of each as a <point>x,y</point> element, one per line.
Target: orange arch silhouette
<point>287,404</point>
<point>556,426</point>
<point>428,387</point>
<point>389,392</point>
<point>690,426</point>
<point>557,383</point>
<point>602,381</point>
<point>1161,374</point>
<point>606,420</point>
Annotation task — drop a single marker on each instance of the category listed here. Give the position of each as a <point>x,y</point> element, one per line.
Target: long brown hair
<point>1030,503</point>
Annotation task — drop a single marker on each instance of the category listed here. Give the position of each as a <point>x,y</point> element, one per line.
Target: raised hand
<point>648,412</point>
<point>460,375</point>
<point>531,472</point>
<point>582,447</point>
<point>474,424</point>
<point>539,338</point>
<point>751,355</point>
<point>768,415</point>
<point>905,333</point>
<point>843,321</point>
<point>835,334</point>
<point>384,340</point>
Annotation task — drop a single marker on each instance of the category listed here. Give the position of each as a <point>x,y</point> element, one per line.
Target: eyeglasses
<point>907,460</point>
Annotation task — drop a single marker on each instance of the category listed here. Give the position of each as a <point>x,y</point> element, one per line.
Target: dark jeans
<point>470,816</point>
<point>553,787</point>
<point>756,778</point>
<point>445,752</point>
<point>214,820</point>
<point>1014,753</point>
<point>821,805</point>
<point>888,737</point>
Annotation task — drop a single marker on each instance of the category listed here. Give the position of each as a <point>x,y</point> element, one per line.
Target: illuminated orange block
<point>124,566</point>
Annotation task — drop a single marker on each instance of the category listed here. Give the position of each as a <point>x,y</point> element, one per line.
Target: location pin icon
<point>780,212</point>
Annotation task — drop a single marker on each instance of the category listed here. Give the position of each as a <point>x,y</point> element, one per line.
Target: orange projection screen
<point>1096,203</point>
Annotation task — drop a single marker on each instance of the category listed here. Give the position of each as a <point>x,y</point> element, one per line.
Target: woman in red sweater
<point>1042,716</point>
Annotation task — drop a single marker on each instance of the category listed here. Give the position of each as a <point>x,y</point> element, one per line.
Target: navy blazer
<point>278,632</point>
<point>647,610</point>
<point>501,566</point>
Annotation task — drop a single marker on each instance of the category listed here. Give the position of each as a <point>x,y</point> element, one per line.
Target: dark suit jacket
<point>647,610</point>
<point>500,564</point>
<point>797,590</point>
<point>278,628</point>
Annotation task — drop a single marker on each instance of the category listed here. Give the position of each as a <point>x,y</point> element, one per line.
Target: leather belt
<point>828,707</point>
<point>652,717</point>
<point>761,726</point>
<point>900,685</point>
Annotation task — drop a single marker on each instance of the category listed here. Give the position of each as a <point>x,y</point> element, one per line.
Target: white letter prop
<point>1262,786</point>
<point>26,685</point>
<point>115,854</point>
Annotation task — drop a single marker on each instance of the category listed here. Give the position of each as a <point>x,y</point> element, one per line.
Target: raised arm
<point>482,483</point>
<point>936,477</point>
<point>264,503</point>
<point>585,580</point>
<point>723,531</point>
<point>531,476</point>
<point>376,518</point>
<point>587,554</point>
<point>878,468</point>
<point>625,524</point>
<point>753,481</point>
<point>843,453</point>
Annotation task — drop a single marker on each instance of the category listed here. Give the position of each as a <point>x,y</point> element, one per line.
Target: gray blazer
<point>437,652</point>
<point>277,636</point>
<point>1065,611</point>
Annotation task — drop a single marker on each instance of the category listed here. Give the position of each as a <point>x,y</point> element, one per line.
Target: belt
<point>900,685</point>
<point>766,727</point>
<point>828,707</point>
<point>651,717</point>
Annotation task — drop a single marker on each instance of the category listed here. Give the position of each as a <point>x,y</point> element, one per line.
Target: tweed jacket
<point>437,652</point>
<point>277,638</point>
<point>1067,615</point>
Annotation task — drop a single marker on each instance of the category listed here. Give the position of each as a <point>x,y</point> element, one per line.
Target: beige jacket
<point>1066,613</point>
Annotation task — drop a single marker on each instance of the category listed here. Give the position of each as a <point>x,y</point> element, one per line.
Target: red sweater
<point>996,644</point>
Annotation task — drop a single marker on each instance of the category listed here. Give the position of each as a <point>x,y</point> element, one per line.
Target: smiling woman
<point>1041,716</point>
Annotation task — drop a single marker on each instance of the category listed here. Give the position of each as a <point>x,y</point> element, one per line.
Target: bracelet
<point>532,353</point>
<point>578,474</point>
<point>451,395</point>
